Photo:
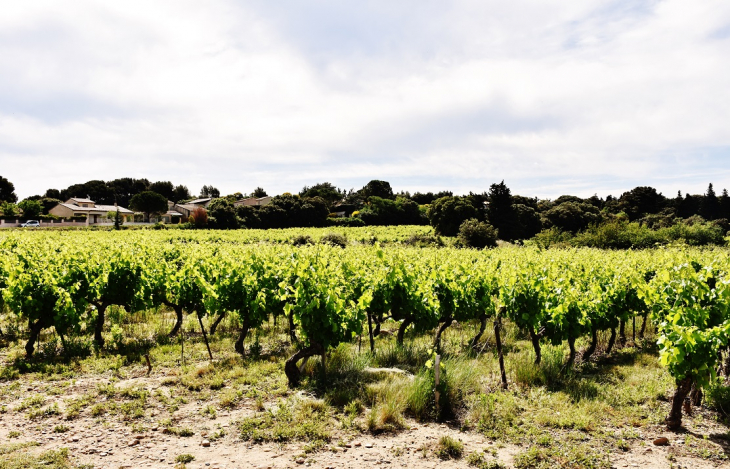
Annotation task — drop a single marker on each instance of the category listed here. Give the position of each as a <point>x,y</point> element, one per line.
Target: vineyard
<point>373,303</point>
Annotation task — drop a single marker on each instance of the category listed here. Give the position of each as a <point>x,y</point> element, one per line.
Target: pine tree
<point>710,204</point>
<point>501,213</point>
<point>724,205</point>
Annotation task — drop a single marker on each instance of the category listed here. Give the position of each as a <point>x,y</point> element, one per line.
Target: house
<point>253,201</point>
<point>184,210</point>
<point>172,216</point>
<point>201,202</point>
<point>76,207</point>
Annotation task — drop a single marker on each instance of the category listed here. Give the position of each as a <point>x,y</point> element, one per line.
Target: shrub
<point>449,448</point>
<point>718,397</point>
<point>346,222</point>
<point>476,234</point>
<point>302,240</point>
<point>334,239</point>
<point>423,241</point>
<point>199,217</point>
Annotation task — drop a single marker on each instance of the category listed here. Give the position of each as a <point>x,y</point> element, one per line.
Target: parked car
<point>31,224</point>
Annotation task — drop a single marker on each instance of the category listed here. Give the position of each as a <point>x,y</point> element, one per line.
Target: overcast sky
<point>555,97</point>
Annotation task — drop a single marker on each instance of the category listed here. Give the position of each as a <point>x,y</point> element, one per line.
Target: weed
<point>480,462</point>
<point>449,448</point>
<point>183,432</point>
<point>31,402</point>
<point>49,411</point>
<point>14,434</point>
<point>60,429</point>
<point>295,419</point>
<point>184,458</point>
<point>208,411</point>
<point>229,399</point>
<point>13,457</point>
<point>577,457</point>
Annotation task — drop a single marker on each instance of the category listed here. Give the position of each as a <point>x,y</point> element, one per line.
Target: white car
<point>31,224</point>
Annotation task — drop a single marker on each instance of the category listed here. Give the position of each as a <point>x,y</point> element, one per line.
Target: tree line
<point>512,217</point>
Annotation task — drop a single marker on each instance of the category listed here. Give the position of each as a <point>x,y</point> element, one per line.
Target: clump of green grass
<point>229,398</point>
<point>449,448</point>
<point>526,373</point>
<point>294,419</point>
<point>178,431</point>
<point>480,462</point>
<point>184,458</point>
<point>573,456</point>
<point>49,411</point>
<point>15,457</point>
<point>31,402</point>
<point>60,429</point>
<point>208,411</point>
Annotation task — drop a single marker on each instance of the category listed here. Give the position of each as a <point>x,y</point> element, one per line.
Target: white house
<point>94,213</point>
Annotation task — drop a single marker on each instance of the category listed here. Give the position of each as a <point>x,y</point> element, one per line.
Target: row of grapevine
<point>331,295</point>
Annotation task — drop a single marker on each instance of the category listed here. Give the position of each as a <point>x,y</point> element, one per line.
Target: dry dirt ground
<point>110,443</point>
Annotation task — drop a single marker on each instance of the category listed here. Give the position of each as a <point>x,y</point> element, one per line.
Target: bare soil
<point>101,442</point>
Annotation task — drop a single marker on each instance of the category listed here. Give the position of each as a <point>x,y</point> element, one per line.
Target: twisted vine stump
<point>674,420</point>
<point>292,371</point>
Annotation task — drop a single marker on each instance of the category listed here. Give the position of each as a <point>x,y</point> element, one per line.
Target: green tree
<point>7,191</point>
<point>210,191</point>
<point>376,188</point>
<point>477,234</point>
<point>259,192</point>
<point>528,221</point>
<point>500,213</point>
<point>48,203</point>
<point>149,203</point>
<point>164,188</point>
<point>9,209</point>
<point>448,213</point>
<point>180,193</point>
<point>325,190</point>
<point>31,208</point>
<point>53,194</point>
<point>710,204</point>
<point>640,201</point>
<point>724,204</point>
<point>572,216</point>
<point>224,214</point>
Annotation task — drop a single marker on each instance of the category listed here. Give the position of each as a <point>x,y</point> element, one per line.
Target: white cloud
<point>551,96</point>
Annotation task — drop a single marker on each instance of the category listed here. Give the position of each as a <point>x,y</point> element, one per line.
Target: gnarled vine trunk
<point>292,371</point>
<point>214,326</point>
<point>35,330</point>
<point>402,330</point>
<point>611,341</point>
<point>482,327</point>
<point>535,345</point>
<point>571,356</point>
<point>622,333</point>
<point>242,337</point>
<point>674,420</point>
<point>437,339</point>
<point>292,330</point>
<point>178,319</point>
<point>99,326</point>
<point>592,348</point>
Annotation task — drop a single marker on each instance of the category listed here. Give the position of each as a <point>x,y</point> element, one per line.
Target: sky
<point>554,97</point>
